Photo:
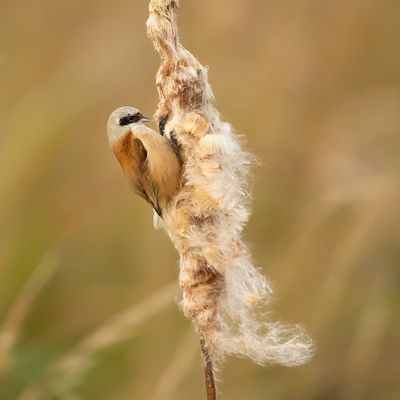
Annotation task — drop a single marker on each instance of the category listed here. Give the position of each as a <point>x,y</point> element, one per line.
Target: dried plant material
<point>223,293</point>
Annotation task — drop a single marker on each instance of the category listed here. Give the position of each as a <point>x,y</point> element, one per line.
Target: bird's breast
<point>130,153</point>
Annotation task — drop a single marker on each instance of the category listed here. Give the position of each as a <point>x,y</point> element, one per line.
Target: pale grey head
<point>122,120</point>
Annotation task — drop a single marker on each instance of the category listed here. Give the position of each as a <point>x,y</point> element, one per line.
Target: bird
<point>147,158</point>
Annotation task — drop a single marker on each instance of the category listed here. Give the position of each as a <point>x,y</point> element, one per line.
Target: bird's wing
<point>141,182</point>
<point>150,190</point>
<point>132,155</point>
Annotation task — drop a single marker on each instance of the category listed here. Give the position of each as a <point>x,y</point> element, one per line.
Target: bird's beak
<point>145,119</point>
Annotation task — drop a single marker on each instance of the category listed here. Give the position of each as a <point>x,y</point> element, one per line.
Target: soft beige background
<point>314,85</point>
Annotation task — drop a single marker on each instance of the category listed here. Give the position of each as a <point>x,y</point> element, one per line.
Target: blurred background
<point>87,291</point>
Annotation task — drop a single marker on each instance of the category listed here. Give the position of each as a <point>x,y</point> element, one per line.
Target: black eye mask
<point>130,119</point>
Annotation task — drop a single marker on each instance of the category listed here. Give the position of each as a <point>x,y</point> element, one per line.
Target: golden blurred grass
<point>316,89</point>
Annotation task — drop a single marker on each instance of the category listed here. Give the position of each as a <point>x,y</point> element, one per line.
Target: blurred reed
<point>67,373</point>
<point>10,329</point>
<point>177,368</point>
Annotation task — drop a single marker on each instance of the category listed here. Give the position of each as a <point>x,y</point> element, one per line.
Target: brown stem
<point>208,372</point>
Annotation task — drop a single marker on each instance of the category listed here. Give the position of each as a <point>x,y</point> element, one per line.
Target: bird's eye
<point>123,121</point>
<point>130,119</point>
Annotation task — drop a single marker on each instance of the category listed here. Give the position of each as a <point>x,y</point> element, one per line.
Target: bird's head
<point>122,120</point>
